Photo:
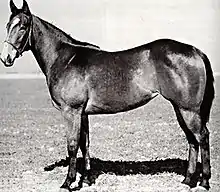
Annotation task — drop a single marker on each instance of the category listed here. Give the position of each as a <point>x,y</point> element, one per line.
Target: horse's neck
<point>44,41</point>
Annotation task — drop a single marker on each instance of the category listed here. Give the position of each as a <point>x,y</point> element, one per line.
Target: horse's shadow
<point>99,167</point>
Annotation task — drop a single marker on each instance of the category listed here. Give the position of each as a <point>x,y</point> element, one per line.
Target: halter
<point>28,41</point>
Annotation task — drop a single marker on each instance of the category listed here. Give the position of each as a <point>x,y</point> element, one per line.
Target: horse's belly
<point>116,103</point>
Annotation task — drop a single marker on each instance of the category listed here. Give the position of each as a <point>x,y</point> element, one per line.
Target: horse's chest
<point>70,92</point>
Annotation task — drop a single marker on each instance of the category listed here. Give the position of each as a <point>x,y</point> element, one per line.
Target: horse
<point>85,80</point>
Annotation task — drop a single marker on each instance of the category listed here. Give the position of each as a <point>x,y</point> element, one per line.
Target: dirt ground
<point>143,150</point>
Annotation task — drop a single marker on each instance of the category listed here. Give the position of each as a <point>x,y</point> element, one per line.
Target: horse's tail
<point>209,91</point>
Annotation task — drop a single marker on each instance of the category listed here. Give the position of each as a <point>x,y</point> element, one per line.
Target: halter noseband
<point>28,40</point>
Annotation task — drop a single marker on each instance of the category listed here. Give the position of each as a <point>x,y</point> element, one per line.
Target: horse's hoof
<point>205,183</point>
<point>186,181</point>
<point>198,189</point>
<point>85,184</point>
<point>75,186</point>
<point>189,182</point>
<point>70,189</point>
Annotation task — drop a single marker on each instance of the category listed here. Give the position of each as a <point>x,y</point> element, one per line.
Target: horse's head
<point>19,30</point>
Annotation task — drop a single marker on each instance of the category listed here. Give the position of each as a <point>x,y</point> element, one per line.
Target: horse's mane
<point>88,46</point>
<point>73,41</point>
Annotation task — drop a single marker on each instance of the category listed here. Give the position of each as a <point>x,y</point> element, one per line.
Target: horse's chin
<point>8,64</point>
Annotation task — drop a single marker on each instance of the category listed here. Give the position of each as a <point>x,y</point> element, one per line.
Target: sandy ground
<point>143,150</point>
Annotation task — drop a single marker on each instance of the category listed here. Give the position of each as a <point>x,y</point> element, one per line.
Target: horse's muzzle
<point>8,54</point>
<point>7,62</point>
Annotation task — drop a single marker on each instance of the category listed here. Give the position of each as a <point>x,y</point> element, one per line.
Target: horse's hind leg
<point>84,146</point>
<point>190,122</point>
<point>205,157</point>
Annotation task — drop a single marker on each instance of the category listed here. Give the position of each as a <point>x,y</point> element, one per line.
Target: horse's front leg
<point>73,119</point>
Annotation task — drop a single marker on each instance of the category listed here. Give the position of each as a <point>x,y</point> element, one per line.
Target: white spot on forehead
<point>14,23</point>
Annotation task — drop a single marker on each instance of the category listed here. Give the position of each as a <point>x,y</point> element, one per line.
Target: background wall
<point>121,24</point>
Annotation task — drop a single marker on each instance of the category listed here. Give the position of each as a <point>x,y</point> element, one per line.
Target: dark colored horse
<point>84,80</point>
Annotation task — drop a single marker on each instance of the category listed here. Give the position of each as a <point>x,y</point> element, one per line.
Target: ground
<point>143,150</point>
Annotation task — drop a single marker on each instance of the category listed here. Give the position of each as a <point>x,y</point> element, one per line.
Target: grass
<point>141,150</point>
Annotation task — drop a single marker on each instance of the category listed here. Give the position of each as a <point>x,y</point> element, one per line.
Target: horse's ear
<point>13,8</point>
<point>25,8</point>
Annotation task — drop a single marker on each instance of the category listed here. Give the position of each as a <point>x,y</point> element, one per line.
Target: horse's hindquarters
<point>182,80</point>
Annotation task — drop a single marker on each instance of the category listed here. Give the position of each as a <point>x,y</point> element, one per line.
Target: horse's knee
<point>66,112</point>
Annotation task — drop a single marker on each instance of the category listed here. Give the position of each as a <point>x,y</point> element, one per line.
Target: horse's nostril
<point>8,59</point>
